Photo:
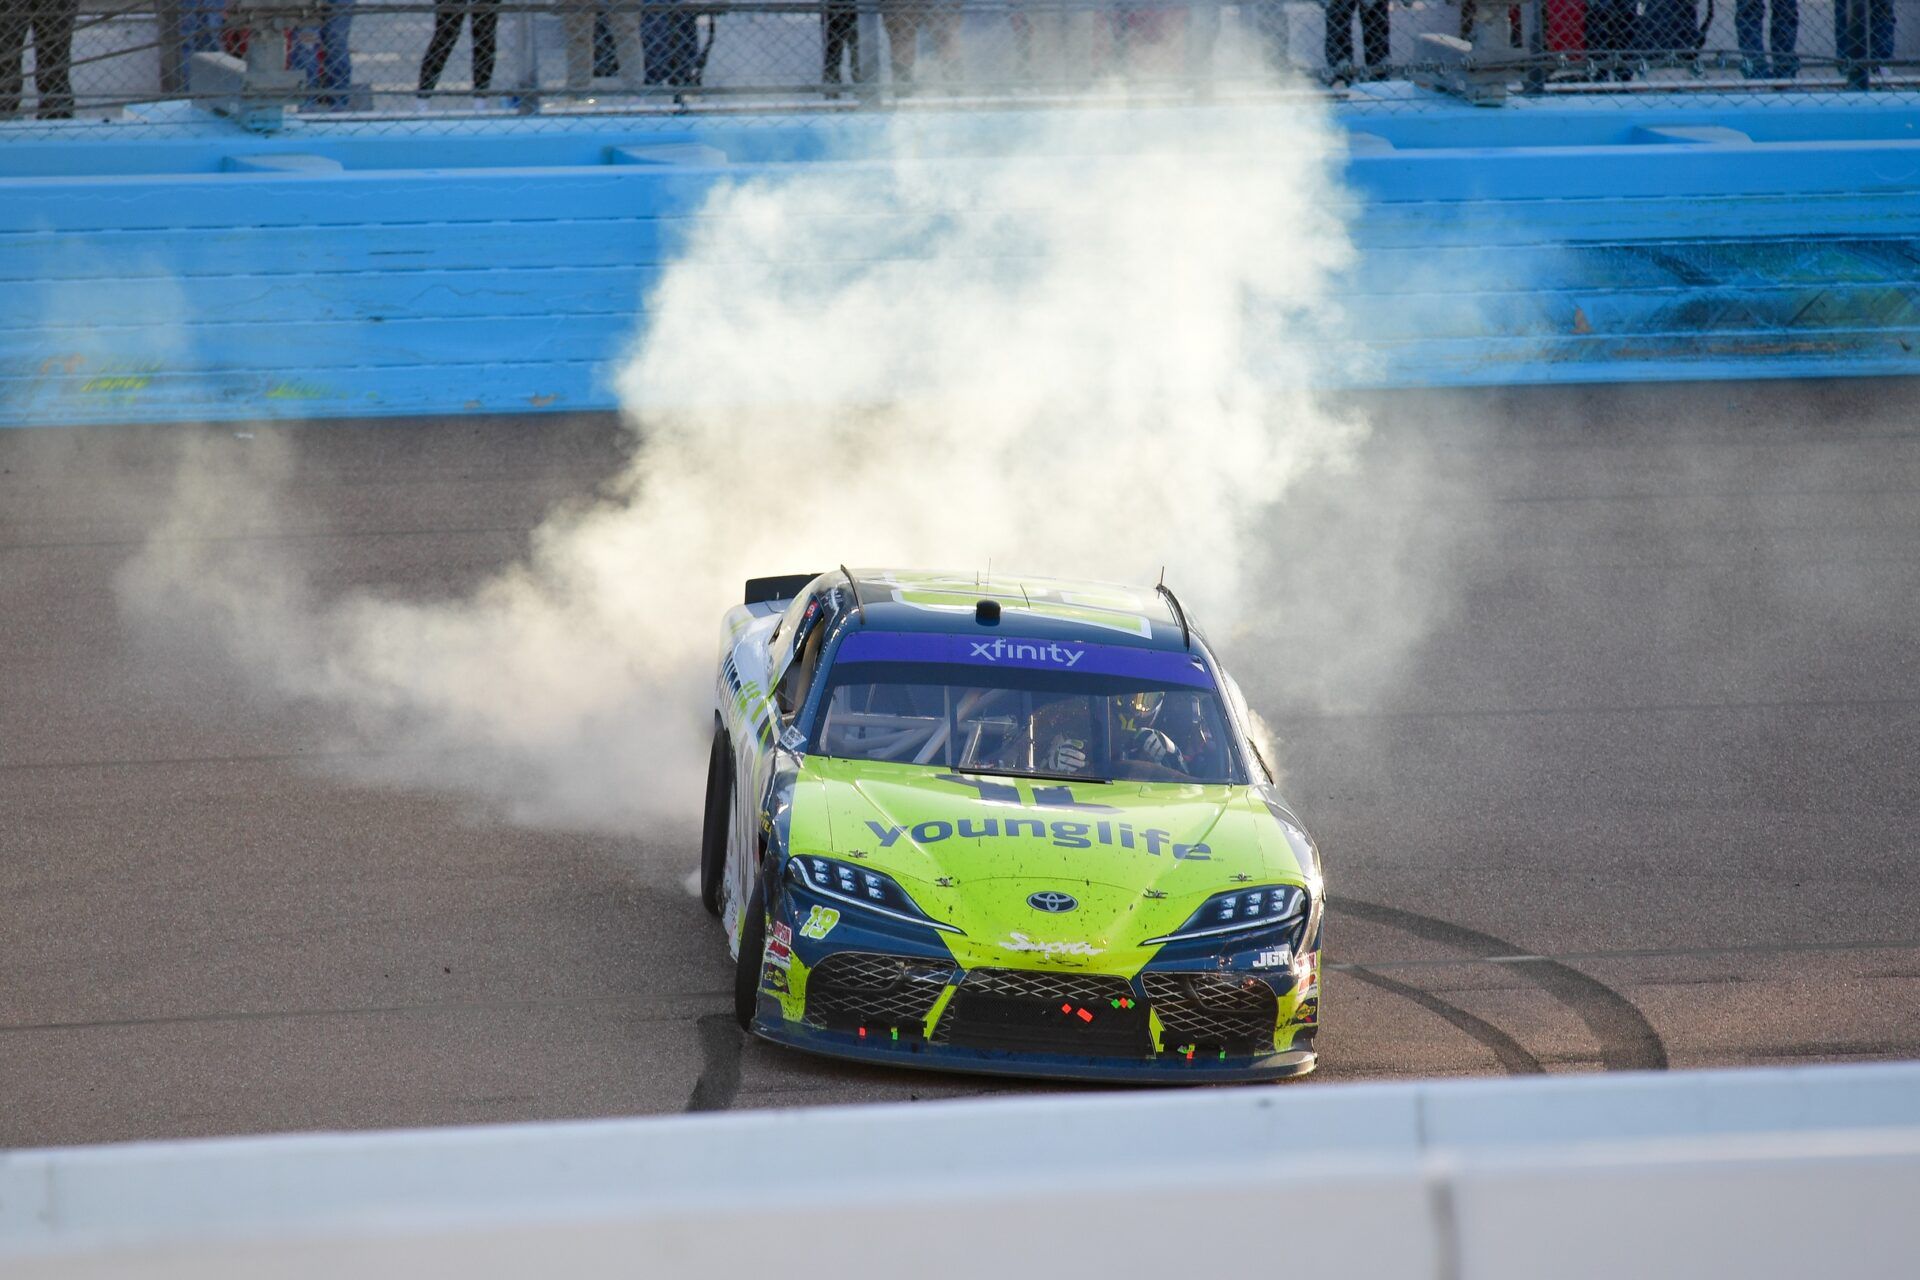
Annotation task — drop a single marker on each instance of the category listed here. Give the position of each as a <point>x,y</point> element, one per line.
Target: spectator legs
<point>840,32</point>
<point>1376,31</point>
<point>446,31</point>
<point>1880,36</point>
<point>1783,38</point>
<point>50,25</point>
<point>200,25</point>
<point>336,57</point>
<point>484,23</point>
<point>1609,35</point>
<point>1767,27</point>
<point>577,23</point>
<point>1749,23</point>
<point>903,33</point>
<point>623,24</point>
<point>1375,35</point>
<point>942,25</point>
<point>13,46</point>
<point>1862,30</point>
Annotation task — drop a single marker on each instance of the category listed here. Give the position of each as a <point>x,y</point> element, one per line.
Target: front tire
<point>752,960</point>
<point>713,829</point>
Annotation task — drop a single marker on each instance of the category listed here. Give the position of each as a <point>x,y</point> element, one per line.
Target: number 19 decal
<point>820,922</point>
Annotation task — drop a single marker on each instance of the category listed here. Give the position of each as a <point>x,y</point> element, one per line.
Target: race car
<point>1014,825</point>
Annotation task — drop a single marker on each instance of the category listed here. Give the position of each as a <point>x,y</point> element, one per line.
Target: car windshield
<point>1164,725</point>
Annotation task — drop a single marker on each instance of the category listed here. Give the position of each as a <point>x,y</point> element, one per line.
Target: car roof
<point>1038,608</point>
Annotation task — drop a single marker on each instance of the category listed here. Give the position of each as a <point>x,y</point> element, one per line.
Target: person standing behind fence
<point>1759,38</point>
<point>582,21</point>
<point>200,22</point>
<point>904,21</point>
<point>483,16</point>
<point>323,56</point>
<point>50,24</point>
<point>1375,35</point>
<point>839,41</point>
<point>1610,38</point>
<point>1862,30</point>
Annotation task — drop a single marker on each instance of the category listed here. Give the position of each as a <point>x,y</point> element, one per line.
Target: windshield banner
<point>1154,666</point>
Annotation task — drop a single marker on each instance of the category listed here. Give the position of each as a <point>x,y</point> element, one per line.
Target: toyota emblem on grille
<point>1051,901</point>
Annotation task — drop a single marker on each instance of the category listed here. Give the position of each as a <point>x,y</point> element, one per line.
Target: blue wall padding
<point>199,272</point>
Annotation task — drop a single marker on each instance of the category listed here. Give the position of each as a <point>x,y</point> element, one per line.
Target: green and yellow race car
<point>1012,824</point>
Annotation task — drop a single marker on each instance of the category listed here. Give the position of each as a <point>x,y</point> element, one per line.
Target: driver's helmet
<point>1135,711</point>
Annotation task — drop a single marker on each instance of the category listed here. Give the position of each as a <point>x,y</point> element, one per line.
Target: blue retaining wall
<point>197,272</point>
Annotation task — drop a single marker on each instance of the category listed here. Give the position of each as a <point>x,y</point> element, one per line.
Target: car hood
<point>1137,858</point>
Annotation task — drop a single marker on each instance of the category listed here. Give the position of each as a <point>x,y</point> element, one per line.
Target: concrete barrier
<point>202,273</point>
<point>1768,1172</point>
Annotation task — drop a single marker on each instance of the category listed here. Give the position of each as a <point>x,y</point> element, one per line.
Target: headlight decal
<point>1240,911</point>
<point>871,891</point>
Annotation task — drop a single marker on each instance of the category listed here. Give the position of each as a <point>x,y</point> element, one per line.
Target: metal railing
<point>380,65</point>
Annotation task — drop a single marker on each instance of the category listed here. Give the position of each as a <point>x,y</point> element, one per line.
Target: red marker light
<point>1066,1008</point>
<point>1085,1016</point>
<point>863,1033</point>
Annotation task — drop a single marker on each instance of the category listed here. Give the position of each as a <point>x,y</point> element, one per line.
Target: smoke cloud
<point>1086,351</point>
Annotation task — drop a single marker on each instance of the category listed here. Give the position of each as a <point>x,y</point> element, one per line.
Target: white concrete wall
<point>1772,1172</point>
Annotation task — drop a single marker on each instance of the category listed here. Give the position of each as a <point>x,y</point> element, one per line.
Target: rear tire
<point>753,958</point>
<point>713,828</point>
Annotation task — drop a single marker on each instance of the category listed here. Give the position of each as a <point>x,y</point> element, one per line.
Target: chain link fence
<point>380,66</point>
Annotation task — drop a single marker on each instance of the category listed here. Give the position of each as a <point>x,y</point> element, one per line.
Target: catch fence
<point>383,67</point>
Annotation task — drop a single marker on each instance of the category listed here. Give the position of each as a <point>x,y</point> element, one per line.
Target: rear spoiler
<point>784,587</point>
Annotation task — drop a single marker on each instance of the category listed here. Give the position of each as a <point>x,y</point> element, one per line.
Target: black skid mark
<point>720,1043</point>
<point>1627,1040</point>
<point>1510,1053</point>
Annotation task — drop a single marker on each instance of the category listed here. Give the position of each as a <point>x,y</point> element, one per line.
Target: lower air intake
<point>1214,1010</point>
<point>865,989</point>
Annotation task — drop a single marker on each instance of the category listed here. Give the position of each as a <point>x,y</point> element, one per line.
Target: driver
<point>1056,737</point>
<point>1137,727</point>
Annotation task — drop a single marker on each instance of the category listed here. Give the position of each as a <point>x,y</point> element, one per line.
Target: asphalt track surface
<point>1643,793</point>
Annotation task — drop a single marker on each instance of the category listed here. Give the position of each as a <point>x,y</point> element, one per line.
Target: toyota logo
<point>1052,902</point>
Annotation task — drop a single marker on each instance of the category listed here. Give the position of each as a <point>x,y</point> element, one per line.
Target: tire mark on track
<point>1626,1039</point>
<point>721,1041</point>
<point>1643,953</point>
<point>1510,1053</point>
<point>665,1011</point>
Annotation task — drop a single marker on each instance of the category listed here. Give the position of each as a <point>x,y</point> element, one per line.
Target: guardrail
<point>202,273</point>
<point>1755,1173</point>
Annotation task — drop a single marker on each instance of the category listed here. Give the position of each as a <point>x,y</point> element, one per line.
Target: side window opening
<point>792,692</point>
<point>781,641</point>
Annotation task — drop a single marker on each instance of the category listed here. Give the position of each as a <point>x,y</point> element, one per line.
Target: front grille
<point>1029,984</point>
<point>861,989</point>
<point>1018,1010</point>
<point>1213,1010</point>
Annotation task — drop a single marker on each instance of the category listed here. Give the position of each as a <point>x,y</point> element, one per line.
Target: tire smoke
<point>1085,350</point>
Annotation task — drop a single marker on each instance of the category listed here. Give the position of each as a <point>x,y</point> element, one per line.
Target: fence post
<point>172,49</point>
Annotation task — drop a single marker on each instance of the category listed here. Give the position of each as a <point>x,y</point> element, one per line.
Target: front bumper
<point>1160,1069</point>
<point>860,985</point>
<point>1166,1023</point>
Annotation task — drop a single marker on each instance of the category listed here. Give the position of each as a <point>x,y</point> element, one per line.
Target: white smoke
<point>1088,352</point>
